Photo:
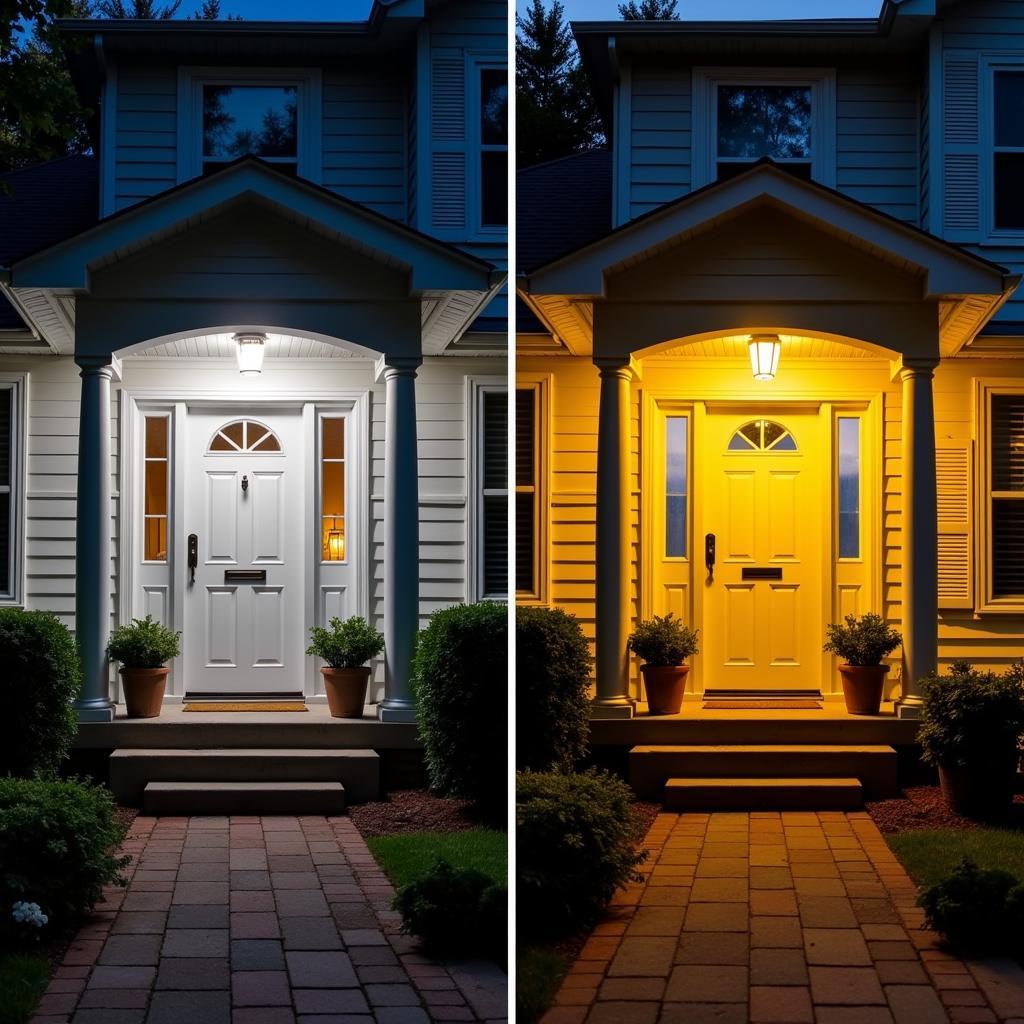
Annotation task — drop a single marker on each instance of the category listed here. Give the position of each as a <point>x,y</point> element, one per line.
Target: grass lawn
<point>930,855</point>
<point>539,972</point>
<point>408,857</point>
<point>23,979</point>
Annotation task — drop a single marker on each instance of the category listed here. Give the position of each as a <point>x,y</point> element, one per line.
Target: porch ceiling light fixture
<point>250,349</point>
<point>764,355</point>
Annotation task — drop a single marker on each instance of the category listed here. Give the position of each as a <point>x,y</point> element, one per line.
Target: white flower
<point>29,913</point>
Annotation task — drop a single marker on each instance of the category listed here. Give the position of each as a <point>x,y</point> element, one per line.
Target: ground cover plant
<point>23,980</point>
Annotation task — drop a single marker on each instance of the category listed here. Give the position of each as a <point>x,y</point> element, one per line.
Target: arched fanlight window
<point>762,436</point>
<point>245,437</point>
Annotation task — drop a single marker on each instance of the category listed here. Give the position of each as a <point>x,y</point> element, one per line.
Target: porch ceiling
<point>959,290</point>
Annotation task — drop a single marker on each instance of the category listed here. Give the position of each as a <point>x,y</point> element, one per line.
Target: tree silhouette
<point>649,10</point>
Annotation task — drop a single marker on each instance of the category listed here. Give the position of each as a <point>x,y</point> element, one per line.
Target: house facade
<point>252,364</point>
<point>769,346</point>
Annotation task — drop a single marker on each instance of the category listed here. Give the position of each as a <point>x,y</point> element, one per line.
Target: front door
<point>764,510</point>
<point>244,526</point>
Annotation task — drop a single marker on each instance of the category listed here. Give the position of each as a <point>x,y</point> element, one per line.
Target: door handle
<point>193,557</point>
<point>709,556</point>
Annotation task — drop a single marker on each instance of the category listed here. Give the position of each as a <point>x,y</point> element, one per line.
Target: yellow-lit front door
<point>762,499</point>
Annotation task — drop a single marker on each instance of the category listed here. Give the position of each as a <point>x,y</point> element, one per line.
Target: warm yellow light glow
<point>333,539</point>
<point>764,355</point>
<point>335,546</point>
<point>250,349</point>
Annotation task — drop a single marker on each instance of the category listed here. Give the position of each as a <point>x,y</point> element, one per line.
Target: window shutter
<point>6,460</point>
<point>495,478</point>
<point>956,555</point>
<point>448,141</point>
<point>961,147</point>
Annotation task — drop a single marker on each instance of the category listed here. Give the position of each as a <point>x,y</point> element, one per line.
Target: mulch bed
<point>645,812</point>
<point>414,810</point>
<point>923,807</point>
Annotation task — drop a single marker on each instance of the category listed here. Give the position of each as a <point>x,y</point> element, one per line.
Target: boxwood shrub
<point>58,843</point>
<point>460,680</point>
<point>456,912</point>
<point>552,682</point>
<point>40,677</point>
<point>576,843</point>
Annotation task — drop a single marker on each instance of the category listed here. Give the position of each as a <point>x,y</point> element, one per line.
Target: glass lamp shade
<point>335,546</point>
<point>764,355</point>
<point>250,349</point>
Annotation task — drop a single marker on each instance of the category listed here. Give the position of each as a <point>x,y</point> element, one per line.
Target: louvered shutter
<point>956,548</point>
<point>495,479</point>
<point>526,490</point>
<point>448,141</point>
<point>961,181</point>
<point>6,461</point>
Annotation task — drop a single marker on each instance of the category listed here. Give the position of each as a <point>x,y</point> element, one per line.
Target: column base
<point>96,713</point>
<point>909,707</point>
<point>623,708</point>
<point>396,711</point>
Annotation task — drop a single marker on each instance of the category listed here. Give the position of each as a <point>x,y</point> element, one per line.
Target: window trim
<point>541,385</point>
<point>476,388</point>
<point>17,384</point>
<point>476,62</point>
<point>987,124</point>
<point>986,603</point>
<point>308,82</point>
<point>822,83</point>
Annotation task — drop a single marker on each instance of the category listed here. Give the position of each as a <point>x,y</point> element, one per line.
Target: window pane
<point>155,487</point>
<point>764,120</point>
<point>1007,442</point>
<point>525,543</point>
<point>241,119</point>
<point>6,404</point>
<point>494,188</point>
<point>676,429</point>
<point>1009,89</point>
<point>494,106</point>
<point>496,545</point>
<point>156,437</point>
<point>1009,175</point>
<point>849,487</point>
<point>333,438</point>
<point>525,435</point>
<point>5,543</point>
<point>495,468</point>
<point>334,489</point>
<point>333,539</point>
<point>155,539</point>
<point>1007,547</point>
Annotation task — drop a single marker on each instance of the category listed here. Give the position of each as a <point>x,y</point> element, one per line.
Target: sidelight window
<point>849,486</point>
<point>676,485</point>
<point>332,489</point>
<point>156,482</point>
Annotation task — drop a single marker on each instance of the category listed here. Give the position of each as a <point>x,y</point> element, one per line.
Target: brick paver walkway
<point>793,917</point>
<point>257,921</point>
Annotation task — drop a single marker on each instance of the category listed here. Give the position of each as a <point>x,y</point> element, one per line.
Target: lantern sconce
<point>764,355</point>
<point>250,349</point>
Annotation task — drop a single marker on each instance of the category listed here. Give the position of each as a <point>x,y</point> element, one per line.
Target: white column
<point>613,561</point>
<point>401,539</point>
<point>920,534</point>
<point>92,543</point>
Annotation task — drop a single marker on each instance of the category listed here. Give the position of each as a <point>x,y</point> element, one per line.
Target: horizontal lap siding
<point>364,141</point>
<point>659,136</point>
<point>146,134</point>
<point>470,25</point>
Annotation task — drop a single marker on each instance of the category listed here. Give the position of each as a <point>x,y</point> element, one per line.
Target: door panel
<point>267,511</point>
<point>222,516</point>
<point>221,626</point>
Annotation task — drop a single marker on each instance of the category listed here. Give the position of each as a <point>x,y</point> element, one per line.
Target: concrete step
<point>243,798</point>
<point>874,766</point>
<point>732,794</point>
<point>358,771</point>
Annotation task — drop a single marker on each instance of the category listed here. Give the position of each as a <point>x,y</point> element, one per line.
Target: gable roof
<point>431,263</point>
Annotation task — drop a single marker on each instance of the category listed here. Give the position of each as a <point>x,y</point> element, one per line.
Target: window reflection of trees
<point>234,126</point>
<point>764,120</point>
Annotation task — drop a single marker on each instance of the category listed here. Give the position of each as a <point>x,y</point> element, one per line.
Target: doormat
<point>778,704</point>
<point>246,705</point>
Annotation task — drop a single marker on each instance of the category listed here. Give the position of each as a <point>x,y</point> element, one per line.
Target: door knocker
<point>245,484</point>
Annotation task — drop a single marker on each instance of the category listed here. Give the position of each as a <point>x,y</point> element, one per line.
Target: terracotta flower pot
<point>984,790</point>
<point>346,690</point>
<point>144,690</point>
<point>862,687</point>
<point>664,686</point>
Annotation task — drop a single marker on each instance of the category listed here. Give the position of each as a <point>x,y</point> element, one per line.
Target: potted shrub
<point>143,648</point>
<point>861,644</point>
<point>971,726</point>
<point>664,643</point>
<point>346,647</point>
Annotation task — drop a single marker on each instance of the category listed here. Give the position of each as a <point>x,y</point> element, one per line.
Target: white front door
<point>245,519</point>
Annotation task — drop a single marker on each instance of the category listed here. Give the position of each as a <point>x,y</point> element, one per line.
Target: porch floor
<point>313,728</point>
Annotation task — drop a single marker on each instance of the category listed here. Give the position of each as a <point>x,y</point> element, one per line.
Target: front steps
<point>732,774</point>
<point>160,777</point>
<point>182,798</point>
<point>735,794</point>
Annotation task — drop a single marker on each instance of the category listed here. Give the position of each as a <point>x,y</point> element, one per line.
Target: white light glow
<point>250,349</point>
<point>764,355</point>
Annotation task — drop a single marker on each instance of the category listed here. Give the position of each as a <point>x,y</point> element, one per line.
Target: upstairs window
<point>1008,155</point>
<point>493,147</point>
<point>742,115</point>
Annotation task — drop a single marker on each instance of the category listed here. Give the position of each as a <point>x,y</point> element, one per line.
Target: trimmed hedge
<point>576,845</point>
<point>40,677</point>
<point>552,690</point>
<point>57,847</point>
<point>460,678</point>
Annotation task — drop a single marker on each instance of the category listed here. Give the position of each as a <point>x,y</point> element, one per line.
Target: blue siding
<point>470,25</point>
<point>146,135</point>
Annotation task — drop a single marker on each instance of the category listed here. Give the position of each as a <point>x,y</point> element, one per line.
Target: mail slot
<point>773,572</point>
<point>245,575</point>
